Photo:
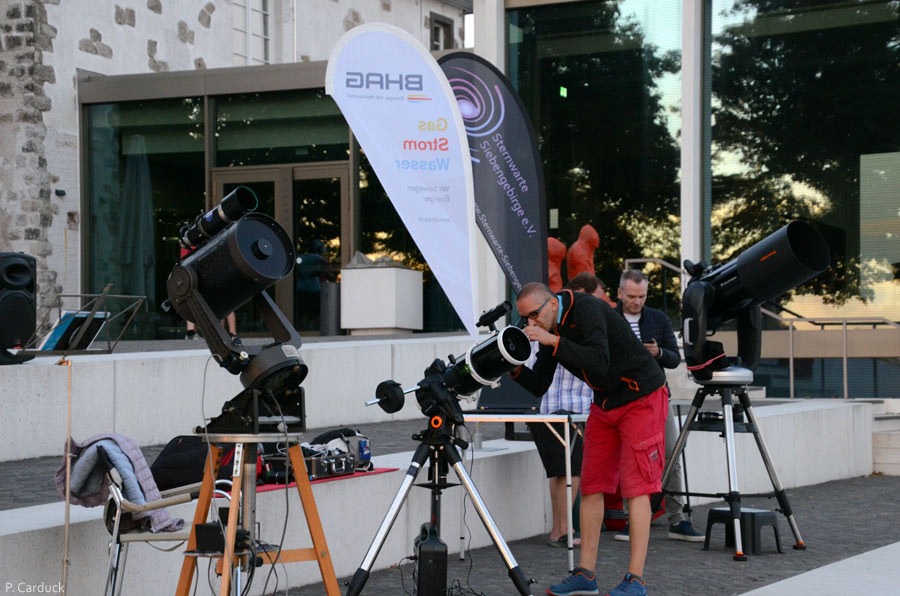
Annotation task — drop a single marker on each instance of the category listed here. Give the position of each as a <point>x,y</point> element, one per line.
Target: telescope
<point>735,290</point>
<point>238,255</point>
<point>482,365</point>
<point>230,209</point>
<point>438,395</point>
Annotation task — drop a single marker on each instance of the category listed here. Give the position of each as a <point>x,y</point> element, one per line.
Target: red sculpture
<point>556,252</point>
<point>581,254</point>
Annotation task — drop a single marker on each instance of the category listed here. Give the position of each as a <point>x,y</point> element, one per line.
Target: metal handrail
<point>666,264</point>
<point>790,322</point>
<point>818,320</point>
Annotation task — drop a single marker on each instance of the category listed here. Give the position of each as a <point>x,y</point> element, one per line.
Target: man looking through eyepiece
<point>624,441</point>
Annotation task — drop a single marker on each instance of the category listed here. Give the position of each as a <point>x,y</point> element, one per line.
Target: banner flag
<point>510,203</point>
<point>400,107</point>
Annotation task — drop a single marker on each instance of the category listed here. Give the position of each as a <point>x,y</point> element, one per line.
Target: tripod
<point>727,383</point>
<point>439,447</point>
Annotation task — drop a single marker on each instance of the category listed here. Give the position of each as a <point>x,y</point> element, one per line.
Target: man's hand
<point>542,336</point>
<point>652,348</point>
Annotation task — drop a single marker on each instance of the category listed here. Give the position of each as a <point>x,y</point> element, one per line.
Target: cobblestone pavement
<point>836,519</point>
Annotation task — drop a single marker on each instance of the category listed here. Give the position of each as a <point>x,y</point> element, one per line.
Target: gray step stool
<point>752,522</point>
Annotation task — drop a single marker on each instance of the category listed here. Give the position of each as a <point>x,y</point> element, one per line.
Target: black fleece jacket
<point>654,324</point>
<point>597,345</point>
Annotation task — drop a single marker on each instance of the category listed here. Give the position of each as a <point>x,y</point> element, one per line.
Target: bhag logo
<point>384,81</point>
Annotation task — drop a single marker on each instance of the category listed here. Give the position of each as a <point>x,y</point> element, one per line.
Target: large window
<point>601,81</point>
<point>279,127</point>
<point>250,20</point>
<point>805,125</point>
<point>145,180</point>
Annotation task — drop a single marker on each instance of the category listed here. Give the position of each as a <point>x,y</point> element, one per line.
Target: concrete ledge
<point>154,396</point>
<point>31,539</point>
<point>811,441</point>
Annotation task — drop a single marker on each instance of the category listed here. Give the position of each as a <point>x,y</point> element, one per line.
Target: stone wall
<point>44,44</point>
<point>27,205</point>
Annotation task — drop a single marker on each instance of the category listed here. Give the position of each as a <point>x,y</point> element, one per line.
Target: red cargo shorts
<point>626,447</point>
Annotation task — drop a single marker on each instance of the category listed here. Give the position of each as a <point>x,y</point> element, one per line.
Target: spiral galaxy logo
<point>482,106</point>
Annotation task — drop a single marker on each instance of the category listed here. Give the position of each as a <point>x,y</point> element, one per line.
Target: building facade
<point>676,128</point>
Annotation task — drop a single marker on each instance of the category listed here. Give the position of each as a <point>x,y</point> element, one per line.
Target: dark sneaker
<point>580,583</point>
<point>685,531</point>
<point>632,585</point>
<point>622,535</point>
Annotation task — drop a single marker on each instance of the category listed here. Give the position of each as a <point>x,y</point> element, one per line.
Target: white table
<point>569,421</point>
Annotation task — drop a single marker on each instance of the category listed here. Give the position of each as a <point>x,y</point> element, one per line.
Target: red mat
<point>268,487</point>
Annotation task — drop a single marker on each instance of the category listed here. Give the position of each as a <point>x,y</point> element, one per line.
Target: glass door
<point>320,224</point>
<point>266,184</point>
<point>312,203</point>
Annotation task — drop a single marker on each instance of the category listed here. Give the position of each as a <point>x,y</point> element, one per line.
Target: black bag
<point>181,462</point>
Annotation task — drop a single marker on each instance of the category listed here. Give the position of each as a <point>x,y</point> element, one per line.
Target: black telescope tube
<point>229,210</point>
<point>776,264</point>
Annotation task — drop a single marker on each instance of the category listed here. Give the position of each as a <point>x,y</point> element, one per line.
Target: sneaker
<point>190,334</point>
<point>631,585</point>
<point>685,531</point>
<point>622,535</point>
<point>581,582</point>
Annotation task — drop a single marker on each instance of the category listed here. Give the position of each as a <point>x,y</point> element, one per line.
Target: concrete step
<point>886,452</point>
<point>885,423</point>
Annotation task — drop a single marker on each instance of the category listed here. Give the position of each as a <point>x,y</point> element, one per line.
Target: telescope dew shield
<point>238,264</point>
<point>776,264</point>
<point>494,357</point>
<point>783,260</point>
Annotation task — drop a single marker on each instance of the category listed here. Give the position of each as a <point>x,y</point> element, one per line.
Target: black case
<point>328,466</point>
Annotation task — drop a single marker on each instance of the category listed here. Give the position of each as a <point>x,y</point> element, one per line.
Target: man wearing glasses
<point>624,442</point>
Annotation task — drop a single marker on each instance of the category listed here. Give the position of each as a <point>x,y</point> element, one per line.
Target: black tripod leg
<point>780,495</point>
<point>734,493</point>
<point>362,574</point>
<point>699,396</point>
<point>515,573</point>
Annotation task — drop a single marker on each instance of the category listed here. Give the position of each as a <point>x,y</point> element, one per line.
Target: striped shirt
<point>634,321</point>
<point>566,392</point>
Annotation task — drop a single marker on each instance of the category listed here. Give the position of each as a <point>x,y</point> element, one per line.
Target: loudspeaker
<point>18,314</point>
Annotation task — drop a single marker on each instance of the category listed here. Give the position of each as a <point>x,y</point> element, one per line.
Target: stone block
<point>204,19</point>
<point>95,35</point>
<point>155,6</point>
<point>86,45</point>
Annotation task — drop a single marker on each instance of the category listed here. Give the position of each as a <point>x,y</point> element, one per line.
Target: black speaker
<point>18,314</point>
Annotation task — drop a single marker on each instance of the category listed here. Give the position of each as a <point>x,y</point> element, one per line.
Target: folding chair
<point>121,537</point>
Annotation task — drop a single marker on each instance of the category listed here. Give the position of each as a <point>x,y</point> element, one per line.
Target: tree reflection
<point>590,82</point>
<point>802,89</point>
